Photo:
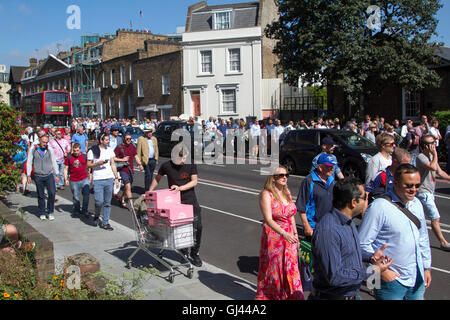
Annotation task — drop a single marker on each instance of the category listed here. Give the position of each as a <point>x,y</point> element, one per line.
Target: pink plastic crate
<point>162,198</point>
<point>181,215</point>
<point>177,212</point>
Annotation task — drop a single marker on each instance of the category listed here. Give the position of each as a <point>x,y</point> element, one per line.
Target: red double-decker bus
<point>48,108</point>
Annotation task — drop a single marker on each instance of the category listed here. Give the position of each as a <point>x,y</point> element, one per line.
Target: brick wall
<point>44,255</point>
<point>151,71</point>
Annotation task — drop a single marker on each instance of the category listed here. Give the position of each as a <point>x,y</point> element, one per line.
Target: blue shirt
<point>223,129</point>
<point>81,139</point>
<point>322,195</point>
<point>337,258</point>
<point>269,129</point>
<point>336,169</point>
<point>384,223</point>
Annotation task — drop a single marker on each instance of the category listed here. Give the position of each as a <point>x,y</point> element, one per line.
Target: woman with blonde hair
<point>278,275</point>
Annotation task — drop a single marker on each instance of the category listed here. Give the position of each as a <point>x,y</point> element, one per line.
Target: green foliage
<point>10,132</point>
<point>318,92</point>
<point>444,120</point>
<point>328,42</point>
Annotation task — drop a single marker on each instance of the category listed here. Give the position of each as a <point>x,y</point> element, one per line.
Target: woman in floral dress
<point>278,276</point>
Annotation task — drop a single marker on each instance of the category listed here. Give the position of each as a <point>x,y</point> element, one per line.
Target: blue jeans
<point>83,187</point>
<point>103,191</point>
<point>394,290</point>
<point>149,169</point>
<point>42,183</point>
<point>61,174</point>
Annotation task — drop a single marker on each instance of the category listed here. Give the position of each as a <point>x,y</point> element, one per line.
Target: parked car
<point>163,134</point>
<point>353,151</point>
<point>134,131</point>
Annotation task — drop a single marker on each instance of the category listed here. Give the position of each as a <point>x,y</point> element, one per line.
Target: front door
<point>195,95</point>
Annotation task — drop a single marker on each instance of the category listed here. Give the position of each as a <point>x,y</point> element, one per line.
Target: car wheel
<point>289,163</point>
<point>351,171</point>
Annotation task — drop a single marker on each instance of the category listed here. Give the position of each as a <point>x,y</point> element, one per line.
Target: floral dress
<point>278,275</point>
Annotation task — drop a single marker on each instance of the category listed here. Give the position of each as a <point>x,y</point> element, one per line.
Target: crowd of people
<point>401,177</point>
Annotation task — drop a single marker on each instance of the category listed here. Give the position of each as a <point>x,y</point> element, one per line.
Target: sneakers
<point>196,261</point>
<point>51,217</point>
<point>107,227</point>
<point>43,217</point>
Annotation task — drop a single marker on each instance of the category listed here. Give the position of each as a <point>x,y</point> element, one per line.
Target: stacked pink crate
<point>164,208</point>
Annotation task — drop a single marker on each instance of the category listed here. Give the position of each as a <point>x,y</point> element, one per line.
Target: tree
<point>10,134</point>
<point>335,43</point>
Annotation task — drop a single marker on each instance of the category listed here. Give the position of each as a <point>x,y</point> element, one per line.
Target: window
<point>206,62</point>
<point>234,60</point>
<point>131,73</point>
<point>165,85</point>
<point>229,100</point>
<point>140,87</point>
<point>94,81</point>
<point>111,106</point>
<point>113,73</point>
<point>123,77</point>
<point>412,104</point>
<point>222,20</point>
<point>305,137</point>
<point>105,80</point>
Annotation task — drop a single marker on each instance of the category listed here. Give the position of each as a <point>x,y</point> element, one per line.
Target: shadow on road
<point>227,285</point>
<point>248,265</point>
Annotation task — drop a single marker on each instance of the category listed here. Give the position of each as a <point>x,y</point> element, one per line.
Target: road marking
<point>441,270</point>
<point>443,197</point>
<point>231,214</point>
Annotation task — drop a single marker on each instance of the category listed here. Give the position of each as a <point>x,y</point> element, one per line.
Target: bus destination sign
<point>56,109</point>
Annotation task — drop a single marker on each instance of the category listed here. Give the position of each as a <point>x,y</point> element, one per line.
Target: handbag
<point>121,164</point>
<point>305,264</point>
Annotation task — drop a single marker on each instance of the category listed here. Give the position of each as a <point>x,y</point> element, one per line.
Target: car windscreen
<point>133,131</point>
<point>355,140</point>
<point>193,128</point>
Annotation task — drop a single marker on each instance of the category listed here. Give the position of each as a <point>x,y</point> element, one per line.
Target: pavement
<point>72,236</point>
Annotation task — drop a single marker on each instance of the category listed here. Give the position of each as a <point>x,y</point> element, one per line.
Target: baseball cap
<point>328,141</point>
<point>327,159</point>
<point>114,128</point>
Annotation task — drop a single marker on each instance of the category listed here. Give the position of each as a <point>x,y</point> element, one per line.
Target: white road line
<point>443,197</point>
<point>441,270</point>
<point>231,214</point>
<point>229,188</point>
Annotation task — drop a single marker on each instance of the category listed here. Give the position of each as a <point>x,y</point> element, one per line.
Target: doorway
<point>195,96</point>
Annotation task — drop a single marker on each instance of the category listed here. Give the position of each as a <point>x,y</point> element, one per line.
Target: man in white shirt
<point>404,131</point>
<point>255,133</point>
<point>379,162</point>
<point>101,160</point>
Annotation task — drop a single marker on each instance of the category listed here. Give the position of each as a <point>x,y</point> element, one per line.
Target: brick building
<point>396,102</point>
<point>15,93</point>
<point>157,83</point>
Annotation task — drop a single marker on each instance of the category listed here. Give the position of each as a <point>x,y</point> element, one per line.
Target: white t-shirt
<point>104,171</point>
<point>435,132</point>
<point>375,165</point>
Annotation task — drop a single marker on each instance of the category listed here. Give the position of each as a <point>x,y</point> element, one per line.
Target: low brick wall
<point>44,256</point>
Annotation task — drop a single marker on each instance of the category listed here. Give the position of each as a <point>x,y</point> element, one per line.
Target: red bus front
<point>48,108</point>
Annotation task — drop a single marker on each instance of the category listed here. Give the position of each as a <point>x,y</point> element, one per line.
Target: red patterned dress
<point>278,275</point>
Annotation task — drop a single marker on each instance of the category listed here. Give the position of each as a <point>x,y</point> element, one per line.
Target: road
<point>228,195</point>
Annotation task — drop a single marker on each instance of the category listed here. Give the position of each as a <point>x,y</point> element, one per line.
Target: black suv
<point>163,134</point>
<point>353,151</point>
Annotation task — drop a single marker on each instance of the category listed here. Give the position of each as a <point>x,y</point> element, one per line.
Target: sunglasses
<point>390,144</point>
<point>281,175</point>
<point>127,139</point>
<point>410,186</point>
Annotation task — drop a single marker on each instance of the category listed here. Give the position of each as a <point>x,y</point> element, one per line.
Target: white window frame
<point>215,13</point>
<point>131,73</point>
<point>140,88</point>
<point>165,84</point>
<point>105,79</point>
<point>222,110</point>
<point>200,62</point>
<point>228,57</point>
<point>112,73</point>
<point>123,77</point>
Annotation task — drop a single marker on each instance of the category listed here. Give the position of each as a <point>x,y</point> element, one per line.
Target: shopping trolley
<point>164,237</point>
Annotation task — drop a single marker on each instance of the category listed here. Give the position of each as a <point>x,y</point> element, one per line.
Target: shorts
<point>2,232</point>
<point>429,206</point>
<point>126,177</point>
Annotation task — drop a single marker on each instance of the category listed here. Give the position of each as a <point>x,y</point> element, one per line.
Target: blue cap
<point>328,141</point>
<point>327,159</point>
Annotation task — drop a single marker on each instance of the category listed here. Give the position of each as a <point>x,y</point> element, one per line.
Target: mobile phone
<point>106,160</point>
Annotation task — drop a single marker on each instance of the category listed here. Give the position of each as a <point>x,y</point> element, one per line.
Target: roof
<point>443,52</point>
<point>17,73</point>
<point>243,15</point>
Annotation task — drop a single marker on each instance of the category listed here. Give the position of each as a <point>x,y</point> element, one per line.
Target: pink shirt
<point>58,149</point>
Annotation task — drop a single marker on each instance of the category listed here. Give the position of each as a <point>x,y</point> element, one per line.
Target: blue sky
<point>33,28</point>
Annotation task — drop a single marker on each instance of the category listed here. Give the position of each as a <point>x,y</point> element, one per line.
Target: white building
<point>227,61</point>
